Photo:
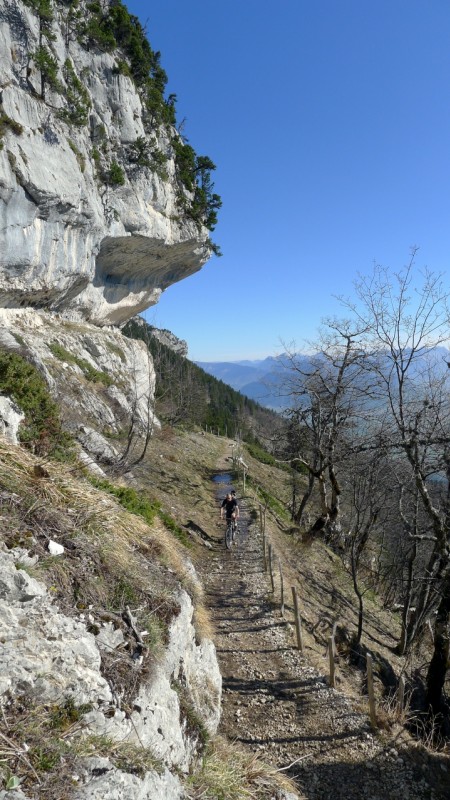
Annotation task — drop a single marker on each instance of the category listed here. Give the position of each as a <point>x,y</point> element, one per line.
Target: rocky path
<point>280,706</point>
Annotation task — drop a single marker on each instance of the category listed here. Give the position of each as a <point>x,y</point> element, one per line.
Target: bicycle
<point>229,533</point>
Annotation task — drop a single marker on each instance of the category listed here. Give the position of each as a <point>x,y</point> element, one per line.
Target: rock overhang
<point>70,241</point>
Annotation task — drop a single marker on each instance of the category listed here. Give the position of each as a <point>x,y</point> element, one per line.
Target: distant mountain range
<point>262,380</point>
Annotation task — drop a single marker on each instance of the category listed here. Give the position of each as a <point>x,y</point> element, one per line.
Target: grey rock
<point>69,242</point>
<point>10,418</point>
<point>88,406</point>
<point>102,781</point>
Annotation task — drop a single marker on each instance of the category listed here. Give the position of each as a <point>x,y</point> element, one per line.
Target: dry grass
<point>230,773</point>
<point>40,748</point>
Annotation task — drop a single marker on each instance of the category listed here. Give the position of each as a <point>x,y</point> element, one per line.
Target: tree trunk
<point>354,566</point>
<point>439,662</point>
<point>299,514</point>
<point>403,641</point>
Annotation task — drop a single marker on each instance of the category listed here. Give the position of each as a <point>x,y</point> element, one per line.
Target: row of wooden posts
<point>269,561</point>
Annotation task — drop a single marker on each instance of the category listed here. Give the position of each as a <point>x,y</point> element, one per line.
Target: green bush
<point>41,429</point>
<point>6,123</point>
<point>138,504</point>
<point>46,62</point>
<point>77,97</point>
<point>174,528</point>
<point>116,175</point>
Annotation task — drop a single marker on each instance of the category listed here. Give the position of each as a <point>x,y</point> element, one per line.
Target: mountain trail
<point>279,705</point>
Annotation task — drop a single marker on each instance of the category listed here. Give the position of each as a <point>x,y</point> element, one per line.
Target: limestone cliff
<point>102,206</point>
<point>97,212</point>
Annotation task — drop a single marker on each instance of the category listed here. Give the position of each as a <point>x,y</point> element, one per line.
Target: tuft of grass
<point>129,498</point>
<point>113,348</point>
<point>137,503</point>
<point>78,155</point>
<point>193,725</point>
<point>174,528</point>
<point>202,622</point>
<point>229,773</point>
<point>124,755</point>
<point>90,373</point>
<point>19,339</point>
<point>8,124</point>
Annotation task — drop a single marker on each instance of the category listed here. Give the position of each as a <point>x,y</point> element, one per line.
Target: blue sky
<point>329,123</point>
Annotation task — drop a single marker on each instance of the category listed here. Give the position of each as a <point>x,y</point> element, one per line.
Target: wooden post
<point>331,659</point>
<point>371,693</point>
<point>401,695</point>
<point>271,568</point>
<point>298,621</point>
<point>264,552</point>
<point>281,588</point>
<point>260,518</point>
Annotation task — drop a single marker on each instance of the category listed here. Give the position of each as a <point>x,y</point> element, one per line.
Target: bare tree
<point>366,513</point>
<point>325,397</point>
<point>405,321</point>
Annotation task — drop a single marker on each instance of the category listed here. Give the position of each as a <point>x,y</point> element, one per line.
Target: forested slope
<point>185,392</point>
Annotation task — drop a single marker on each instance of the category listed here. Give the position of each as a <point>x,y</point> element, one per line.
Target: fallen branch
<point>283,769</point>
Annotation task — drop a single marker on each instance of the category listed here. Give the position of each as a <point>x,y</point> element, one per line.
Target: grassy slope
<point>117,544</point>
<point>115,558</point>
<point>179,469</point>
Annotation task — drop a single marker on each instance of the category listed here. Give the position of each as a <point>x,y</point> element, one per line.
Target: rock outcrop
<point>88,226</point>
<point>103,382</point>
<point>51,658</point>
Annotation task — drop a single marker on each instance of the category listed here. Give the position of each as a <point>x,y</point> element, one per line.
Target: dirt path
<point>280,706</point>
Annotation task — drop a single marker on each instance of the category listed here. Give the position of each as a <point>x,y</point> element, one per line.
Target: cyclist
<point>231,508</point>
<point>233,497</point>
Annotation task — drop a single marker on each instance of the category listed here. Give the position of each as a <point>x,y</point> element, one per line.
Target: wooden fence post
<point>264,552</point>
<point>371,693</point>
<point>281,588</point>
<point>331,659</point>
<point>271,568</point>
<point>260,518</point>
<point>401,695</point>
<point>298,622</point>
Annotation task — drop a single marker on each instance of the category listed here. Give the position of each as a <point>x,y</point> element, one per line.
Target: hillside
<point>315,735</point>
<point>185,392</point>
<point>327,730</point>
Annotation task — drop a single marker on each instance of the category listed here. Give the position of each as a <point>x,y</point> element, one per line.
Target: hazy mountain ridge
<point>262,380</point>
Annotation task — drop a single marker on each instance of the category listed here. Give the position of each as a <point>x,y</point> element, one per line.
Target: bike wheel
<point>229,536</point>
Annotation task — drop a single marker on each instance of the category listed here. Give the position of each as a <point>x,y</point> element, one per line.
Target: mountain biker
<point>233,497</point>
<point>231,508</point>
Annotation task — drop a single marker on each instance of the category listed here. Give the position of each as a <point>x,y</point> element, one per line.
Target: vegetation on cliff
<point>111,28</point>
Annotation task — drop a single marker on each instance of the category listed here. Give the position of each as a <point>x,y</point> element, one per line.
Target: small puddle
<point>223,477</point>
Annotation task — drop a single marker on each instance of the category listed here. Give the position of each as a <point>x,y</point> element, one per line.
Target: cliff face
<point>91,208</point>
<point>98,215</point>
